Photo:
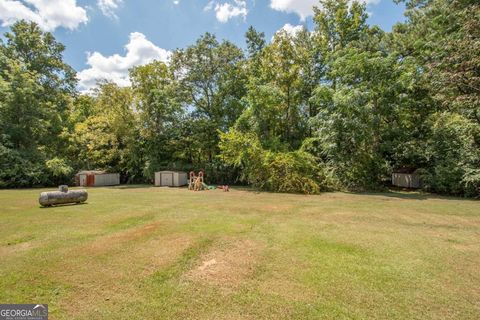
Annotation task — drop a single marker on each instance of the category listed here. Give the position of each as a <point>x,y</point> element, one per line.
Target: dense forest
<point>338,107</point>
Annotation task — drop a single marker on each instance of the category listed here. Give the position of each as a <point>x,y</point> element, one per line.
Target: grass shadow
<point>258,191</point>
<point>131,186</point>
<point>412,195</point>
<point>64,205</point>
<point>407,194</point>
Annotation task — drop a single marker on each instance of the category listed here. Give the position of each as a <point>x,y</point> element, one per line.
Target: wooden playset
<point>197,183</point>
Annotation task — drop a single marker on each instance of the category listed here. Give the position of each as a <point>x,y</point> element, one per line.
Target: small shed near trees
<point>406,178</point>
<point>96,179</point>
<point>171,179</point>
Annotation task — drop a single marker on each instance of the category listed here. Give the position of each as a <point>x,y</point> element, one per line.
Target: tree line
<point>335,108</point>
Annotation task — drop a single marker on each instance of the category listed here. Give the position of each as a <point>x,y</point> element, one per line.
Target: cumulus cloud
<point>291,30</point>
<point>109,7</point>
<point>48,14</point>
<point>226,11</point>
<point>303,8</point>
<point>139,51</point>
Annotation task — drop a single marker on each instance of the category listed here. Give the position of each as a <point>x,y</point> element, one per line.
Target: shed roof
<point>406,170</point>
<point>92,172</point>
<point>170,171</point>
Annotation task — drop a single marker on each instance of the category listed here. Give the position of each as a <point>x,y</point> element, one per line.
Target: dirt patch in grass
<point>228,264</point>
<point>9,249</point>
<point>467,247</point>
<point>116,241</point>
<point>276,208</point>
<point>131,222</point>
<point>114,277</point>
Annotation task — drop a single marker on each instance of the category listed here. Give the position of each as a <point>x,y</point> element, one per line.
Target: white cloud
<point>108,7</point>
<point>291,30</point>
<point>49,14</point>
<point>303,8</point>
<point>226,11</point>
<point>176,2</point>
<point>139,51</point>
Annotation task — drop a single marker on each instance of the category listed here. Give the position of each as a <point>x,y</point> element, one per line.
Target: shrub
<point>59,170</point>
<point>272,171</point>
<point>17,170</point>
<point>290,172</point>
<point>453,154</point>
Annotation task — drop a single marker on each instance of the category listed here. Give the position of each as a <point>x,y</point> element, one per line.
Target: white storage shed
<point>406,178</point>
<point>97,179</point>
<point>171,179</point>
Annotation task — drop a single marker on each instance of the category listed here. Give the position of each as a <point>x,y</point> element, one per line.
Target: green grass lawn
<point>155,253</point>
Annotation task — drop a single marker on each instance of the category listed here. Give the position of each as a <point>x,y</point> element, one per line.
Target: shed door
<point>83,180</point>
<point>90,180</point>
<point>167,179</point>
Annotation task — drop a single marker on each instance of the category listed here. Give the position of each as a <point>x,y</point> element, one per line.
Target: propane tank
<point>62,196</point>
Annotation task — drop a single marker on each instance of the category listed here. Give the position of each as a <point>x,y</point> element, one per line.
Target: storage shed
<point>96,179</point>
<point>171,179</point>
<point>406,178</point>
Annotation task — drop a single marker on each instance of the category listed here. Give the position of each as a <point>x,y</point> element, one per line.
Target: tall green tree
<point>109,138</point>
<point>442,40</point>
<point>255,41</point>
<point>281,79</point>
<point>211,81</point>
<point>160,115</point>
<point>37,88</point>
<point>444,37</point>
<point>356,99</point>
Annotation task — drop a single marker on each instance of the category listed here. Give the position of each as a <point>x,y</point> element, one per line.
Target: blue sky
<point>96,32</point>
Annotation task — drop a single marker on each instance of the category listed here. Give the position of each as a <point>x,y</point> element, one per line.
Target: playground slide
<point>208,187</point>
